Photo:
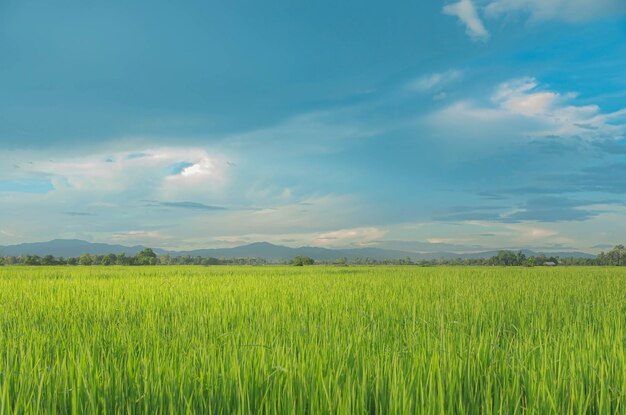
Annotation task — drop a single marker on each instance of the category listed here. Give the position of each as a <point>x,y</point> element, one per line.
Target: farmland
<point>313,340</point>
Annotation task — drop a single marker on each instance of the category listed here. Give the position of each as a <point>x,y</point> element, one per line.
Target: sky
<point>416,125</point>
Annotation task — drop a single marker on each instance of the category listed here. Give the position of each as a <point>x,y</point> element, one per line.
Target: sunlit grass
<point>312,340</point>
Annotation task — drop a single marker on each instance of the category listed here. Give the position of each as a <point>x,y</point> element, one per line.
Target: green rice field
<point>312,340</point>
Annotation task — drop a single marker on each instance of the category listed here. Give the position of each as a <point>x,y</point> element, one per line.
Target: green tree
<point>32,260</point>
<point>122,259</point>
<point>85,259</point>
<point>616,256</point>
<point>146,257</point>
<point>109,259</point>
<point>48,260</point>
<point>302,260</point>
<point>506,258</point>
<point>341,261</point>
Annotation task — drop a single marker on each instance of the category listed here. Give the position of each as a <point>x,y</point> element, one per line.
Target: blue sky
<point>425,126</point>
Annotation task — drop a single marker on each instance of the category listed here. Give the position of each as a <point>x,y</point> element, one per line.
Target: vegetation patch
<point>312,340</point>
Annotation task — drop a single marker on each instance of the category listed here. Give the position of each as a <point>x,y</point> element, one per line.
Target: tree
<point>302,260</point>
<point>85,259</point>
<point>341,261</point>
<point>146,257</point>
<point>109,259</point>
<point>122,259</point>
<point>48,260</point>
<point>541,259</point>
<point>554,260</point>
<point>616,256</point>
<point>32,260</point>
<point>506,258</point>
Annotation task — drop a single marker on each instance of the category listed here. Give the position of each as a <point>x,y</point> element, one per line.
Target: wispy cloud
<point>191,205</point>
<point>555,209</point>
<point>138,237</point>
<point>344,237</point>
<point>79,214</point>
<point>567,10</point>
<point>434,82</point>
<point>522,108</point>
<point>467,14</point>
<point>574,11</point>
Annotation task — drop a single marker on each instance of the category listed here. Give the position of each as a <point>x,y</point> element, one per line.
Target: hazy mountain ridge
<point>268,251</point>
<point>70,248</point>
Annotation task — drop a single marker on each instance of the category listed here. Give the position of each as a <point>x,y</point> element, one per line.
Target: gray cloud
<point>540,209</point>
<point>191,205</point>
<point>467,213</point>
<point>419,246</point>
<point>609,178</point>
<point>553,209</point>
<point>602,246</point>
<point>79,214</point>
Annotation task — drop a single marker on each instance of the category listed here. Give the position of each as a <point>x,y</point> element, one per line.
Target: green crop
<point>298,340</point>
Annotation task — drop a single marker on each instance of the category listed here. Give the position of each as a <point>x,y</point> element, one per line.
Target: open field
<point>312,340</point>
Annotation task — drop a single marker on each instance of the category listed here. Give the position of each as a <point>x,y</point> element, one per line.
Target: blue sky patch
<point>26,186</point>
<point>179,167</point>
<point>467,124</point>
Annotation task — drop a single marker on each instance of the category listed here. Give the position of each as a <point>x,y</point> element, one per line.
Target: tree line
<point>145,257</point>
<point>615,257</point>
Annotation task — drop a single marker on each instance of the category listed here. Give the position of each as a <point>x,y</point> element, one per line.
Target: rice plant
<point>297,340</point>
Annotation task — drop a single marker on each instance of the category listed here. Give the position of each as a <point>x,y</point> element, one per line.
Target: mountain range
<point>268,251</point>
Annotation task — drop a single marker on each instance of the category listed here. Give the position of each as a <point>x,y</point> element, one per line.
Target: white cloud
<point>138,237</point>
<point>205,176</point>
<point>203,168</point>
<point>345,237</point>
<point>566,10</point>
<point>522,108</point>
<point>467,14</point>
<point>448,240</point>
<point>573,11</point>
<point>560,116</point>
<point>519,96</point>
<point>342,238</point>
<point>147,169</point>
<point>435,81</point>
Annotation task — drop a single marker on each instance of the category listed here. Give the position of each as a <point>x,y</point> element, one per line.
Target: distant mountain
<point>268,251</point>
<point>255,250</point>
<point>70,248</point>
<point>273,252</point>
